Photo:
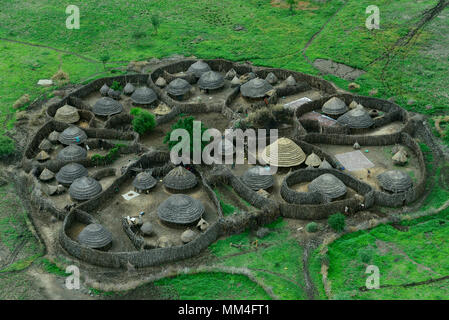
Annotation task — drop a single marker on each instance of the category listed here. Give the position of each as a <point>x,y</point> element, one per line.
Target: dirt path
<point>310,288</point>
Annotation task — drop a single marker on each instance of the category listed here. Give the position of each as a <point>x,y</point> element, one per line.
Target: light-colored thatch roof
<point>144,181</point>
<point>67,114</point>
<point>288,154</point>
<point>46,175</point>
<point>271,78</point>
<point>313,160</point>
<point>129,89</point>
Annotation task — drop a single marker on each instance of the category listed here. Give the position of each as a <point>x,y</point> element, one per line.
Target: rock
<point>202,225</point>
<point>353,86</point>
<point>53,219</point>
<point>114,94</point>
<point>411,102</point>
<point>262,232</point>
<point>60,93</point>
<point>235,82</point>
<point>22,115</point>
<point>45,82</point>
<point>147,229</point>
<point>198,39</point>
<point>230,74</point>
<point>353,105</point>
<point>429,107</point>
<point>239,27</point>
<point>188,236</point>
<point>23,100</point>
<point>373,92</point>
<point>356,146</point>
<point>160,82</point>
<point>271,78</point>
<point>164,242</point>
<point>391,99</point>
<point>46,145</point>
<point>60,189</point>
<point>138,66</point>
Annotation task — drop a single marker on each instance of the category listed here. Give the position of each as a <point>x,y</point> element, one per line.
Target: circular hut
<point>211,80</point>
<point>178,89</point>
<point>72,135</point>
<point>255,88</point>
<point>334,107</point>
<point>70,173</point>
<point>258,178</point>
<point>395,181</point>
<point>143,96</point>
<point>84,188</point>
<point>107,107</point>
<point>288,154</point>
<point>198,68</point>
<point>329,186</point>
<point>313,160</point>
<point>179,179</point>
<point>180,209</point>
<point>95,236</point>
<point>46,175</point>
<point>144,182</point>
<point>357,118</point>
<point>72,153</point>
<point>129,89</point>
<point>67,114</point>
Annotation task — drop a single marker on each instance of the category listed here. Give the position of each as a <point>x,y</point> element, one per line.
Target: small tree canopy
<point>7,146</point>
<point>143,121</point>
<point>187,124</point>
<point>337,222</point>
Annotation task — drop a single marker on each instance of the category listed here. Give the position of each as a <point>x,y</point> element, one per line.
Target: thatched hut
<point>72,153</point>
<point>180,209</point>
<point>42,156</point>
<point>46,175</point>
<point>144,182</point>
<point>179,89</point>
<point>180,179</point>
<point>84,188</point>
<point>95,236</point>
<point>67,114</point>
<point>72,135</point>
<point>271,78</point>
<point>334,107</point>
<point>143,96</point>
<point>129,89</point>
<point>329,186</point>
<point>255,88</point>
<point>395,181</point>
<point>258,178</point>
<point>107,107</point>
<point>288,154</point>
<point>211,80</point>
<point>198,68</point>
<point>70,172</point>
<point>357,118</point>
<point>313,160</point>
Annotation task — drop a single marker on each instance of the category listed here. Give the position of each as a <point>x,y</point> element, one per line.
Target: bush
<point>143,121</point>
<point>116,86</point>
<point>7,146</point>
<point>187,124</point>
<point>312,227</point>
<point>337,222</point>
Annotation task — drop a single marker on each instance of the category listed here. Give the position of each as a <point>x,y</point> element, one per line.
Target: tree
<point>7,146</point>
<point>155,21</point>
<point>337,222</point>
<point>187,124</point>
<point>291,3</point>
<point>105,58</point>
<point>312,227</point>
<point>143,121</point>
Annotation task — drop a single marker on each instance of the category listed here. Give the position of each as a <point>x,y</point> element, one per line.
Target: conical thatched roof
<point>42,156</point>
<point>53,136</point>
<point>129,89</point>
<point>235,82</point>
<point>46,175</point>
<point>230,74</point>
<point>144,181</point>
<point>67,114</point>
<point>104,90</point>
<point>255,88</point>
<point>70,173</point>
<point>198,68</point>
<point>211,80</point>
<point>161,82</point>
<point>147,228</point>
<point>72,135</point>
<point>400,158</point>
<point>290,81</point>
<point>107,107</point>
<point>180,209</point>
<point>289,154</point>
<point>95,236</point>
<point>72,153</point>
<point>325,165</point>
<point>180,178</point>
<point>143,95</point>
<point>334,107</point>
<point>225,147</point>
<point>357,118</point>
<point>313,160</point>
<point>46,145</point>
<point>328,185</point>
<point>258,178</point>
<point>162,109</point>
<point>271,78</point>
<point>84,188</point>
<point>178,87</point>
<point>395,181</point>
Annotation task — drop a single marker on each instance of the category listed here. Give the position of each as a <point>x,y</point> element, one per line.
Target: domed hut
<point>95,236</point>
<point>258,178</point>
<point>180,209</point>
<point>334,107</point>
<point>67,114</point>
<point>143,96</point>
<point>104,90</point>
<point>42,156</point>
<point>72,135</point>
<point>211,80</point>
<point>313,160</point>
<point>198,68</point>
<point>46,175</point>
<point>395,181</point>
<point>179,89</point>
<point>72,153</point>
<point>357,118</point>
<point>161,109</point>
<point>107,107</point>
<point>70,172</point>
<point>255,88</point>
<point>329,186</point>
<point>289,154</point>
<point>144,182</point>
<point>271,78</point>
<point>46,145</point>
<point>84,188</point>
<point>400,158</point>
<point>180,179</point>
<point>129,89</point>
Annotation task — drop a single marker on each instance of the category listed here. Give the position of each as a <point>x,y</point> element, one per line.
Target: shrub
<point>109,158</point>
<point>156,22</point>
<point>116,86</point>
<point>187,124</point>
<point>7,146</point>
<point>143,121</point>
<point>312,227</point>
<point>337,222</point>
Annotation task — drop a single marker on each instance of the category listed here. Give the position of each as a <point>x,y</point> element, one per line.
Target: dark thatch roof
<point>129,89</point>
<point>255,88</point>
<point>72,135</point>
<point>258,178</point>
<point>144,181</point>
<point>198,68</point>
<point>178,87</point>
<point>107,107</point>
<point>84,188</point>
<point>95,236</point>
<point>67,114</point>
<point>271,78</point>
<point>395,181</point>
<point>180,178</point>
<point>211,80</point>
<point>143,95</point>
<point>328,185</point>
<point>357,118</point>
<point>334,107</point>
<point>180,209</point>
<point>72,153</point>
<point>70,173</point>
